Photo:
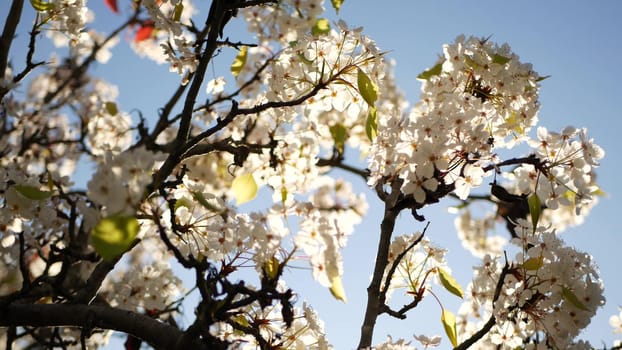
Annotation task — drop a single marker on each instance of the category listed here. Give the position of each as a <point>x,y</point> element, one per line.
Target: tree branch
<point>8,33</point>
<point>374,304</point>
<point>160,335</point>
<point>491,321</point>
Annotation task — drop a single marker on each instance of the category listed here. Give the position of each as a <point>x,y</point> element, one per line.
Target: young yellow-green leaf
<point>535,209</point>
<point>241,320</point>
<point>113,235</point>
<point>337,290</point>
<point>200,197</point>
<point>427,74</point>
<point>367,88</point>
<point>337,4</point>
<point>283,195</point>
<point>111,108</point>
<point>570,297</point>
<point>321,27</point>
<point>449,323</point>
<point>271,268</point>
<point>239,61</point>
<point>41,5</point>
<point>496,58</point>
<point>32,192</point>
<point>450,283</point>
<point>244,188</point>
<point>371,124</point>
<point>339,134</point>
<point>533,264</point>
<point>183,202</point>
<point>598,192</point>
<point>179,9</point>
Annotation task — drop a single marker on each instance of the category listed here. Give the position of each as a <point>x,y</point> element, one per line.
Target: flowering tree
<point>78,264</point>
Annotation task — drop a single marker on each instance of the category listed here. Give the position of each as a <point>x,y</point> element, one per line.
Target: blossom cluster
<point>418,266</point>
<point>119,183</point>
<point>549,293</point>
<point>305,332</point>
<point>478,96</point>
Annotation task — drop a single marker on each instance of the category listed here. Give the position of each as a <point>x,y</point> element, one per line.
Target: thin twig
<point>491,321</point>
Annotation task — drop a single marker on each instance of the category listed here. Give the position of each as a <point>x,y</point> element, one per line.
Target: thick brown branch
<point>12,20</point>
<point>374,304</point>
<point>214,22</point>
<point>160,335</point>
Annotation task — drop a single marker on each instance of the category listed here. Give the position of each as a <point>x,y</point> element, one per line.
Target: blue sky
<point>577,43</point>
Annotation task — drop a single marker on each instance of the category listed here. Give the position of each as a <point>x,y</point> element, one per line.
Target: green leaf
<point>32,192</point>
<point>283,195</point>
<point>114,235</point>
<point>434,71</point>
<point>200,197</point>
<point>336,289</point>
<point>534,264</point>
<point>239,61</point>
<point>337,4</point>
<point>183,202</point>
<point>449,323</point>
<point>339,134</point>
<point>597,191</point>
<point>543,78</point>
<point>570,297</point>
<point>41,6</point>
<point>367,88</point>
<point>321,27</point>
<point>535,209</point>
<point>244,188</point>
<point>271,268</point>
<point>450,283</point>
<point>371,124</point>
<point>179,9</point>
<point>496,58</point>
<point>111,108</point>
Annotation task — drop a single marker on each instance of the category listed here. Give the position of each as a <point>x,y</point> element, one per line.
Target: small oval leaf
<point>496,58</point>
<point>450,283</point>
<point>32,192</point>
<point>367,88</point>
<point>427,74</point>
<point>533,264</point>
<point>371,124</point>
<point>337,4</point>
<point>449,323</point>
<point>200,197</point>
<point>114,235</point>
<point>239,61</point>
<point>570,297</point>
<point>179,9</point>
<point>111,108</point>
<point>271,268</point>
<point>41,6</point>
<point>339,134</point>
<point>337,290</point>
<point>244,188</point>
<point>535,209</point>
<point>321,27</point>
